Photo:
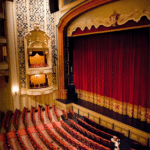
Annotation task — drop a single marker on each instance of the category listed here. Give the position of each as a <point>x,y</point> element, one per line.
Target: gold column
<point>12,54</point>
<point>62,93</point>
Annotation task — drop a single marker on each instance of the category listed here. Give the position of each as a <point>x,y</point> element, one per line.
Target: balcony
<point>42,70</point>
<point>35,92</point>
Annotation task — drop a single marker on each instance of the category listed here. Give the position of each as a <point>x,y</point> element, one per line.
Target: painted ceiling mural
<point>28,12</point>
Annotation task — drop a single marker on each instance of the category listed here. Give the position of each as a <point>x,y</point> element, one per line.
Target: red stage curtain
<point>111,70</point>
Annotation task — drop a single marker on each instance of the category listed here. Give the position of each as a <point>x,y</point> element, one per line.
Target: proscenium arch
<point>64,21</point>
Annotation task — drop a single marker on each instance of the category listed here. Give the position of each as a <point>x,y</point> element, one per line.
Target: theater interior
<point>74,74</point>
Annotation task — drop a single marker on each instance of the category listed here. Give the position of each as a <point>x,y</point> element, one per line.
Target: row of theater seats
<point>5,145</point>
<point>27,131</point>
<point>90,135</point>
<point>6,119</point>
<point>38,65</point>
<point>64,115</point>
<point>105,129</point>
<point>15,118</point>
<point>16,137</point>
<point>24,117</point>
<point>98,132</point>
<point>6,125</point>
<point>85,135</point>
<point>33,141</point>
<point>40,114</point>
<point>50,132</point>
<point>48,114</point>
<point>58,140</point>
<point>121,136</point>
<point>70,114</point>
<point>86,141</point>
<point>69,138</point>
<point>48,143</point>
<point>102,131</point>
<point>55,110</point>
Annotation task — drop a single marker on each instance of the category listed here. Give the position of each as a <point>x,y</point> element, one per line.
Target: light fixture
<point>15,89</point>
<point>37,75</point>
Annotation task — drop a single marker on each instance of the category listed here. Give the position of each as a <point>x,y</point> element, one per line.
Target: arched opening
<point>64,22</point>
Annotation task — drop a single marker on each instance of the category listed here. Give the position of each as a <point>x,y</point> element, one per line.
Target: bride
<point>116,142</point>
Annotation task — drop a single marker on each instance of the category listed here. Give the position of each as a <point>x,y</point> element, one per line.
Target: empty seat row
<point>9,144</point>
<point>47,111</point>
<point>33,141</point>
<point>40,114</point>
<point>5,145</point>
<point>69,138</point>
<point>47,143</point>
<point>20,142</point>
<point>45,140</point>
<point>14,142</point>
<point>27,130</point>
<point>55,111</point>
<point>6,120</point>
<point>32,115</point>
<point>64,114</point>
<point>58,140</point>
<point>105,129</point>
<point>88,142</point>
<point>95,138</point>
<point>94,130</point>
<point>15,118</point>
<point>90,135</point>
<point>71,113</point>
<point>24,116</point>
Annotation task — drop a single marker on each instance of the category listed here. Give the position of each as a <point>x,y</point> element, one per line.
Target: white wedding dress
<point>116,144</point>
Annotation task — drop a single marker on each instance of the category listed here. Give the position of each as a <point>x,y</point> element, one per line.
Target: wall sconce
<point>37,75</point>
<point>15,90</point>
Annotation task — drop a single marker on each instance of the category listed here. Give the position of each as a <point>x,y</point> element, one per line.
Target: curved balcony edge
<point>35,92</point>
<point>43,70</point>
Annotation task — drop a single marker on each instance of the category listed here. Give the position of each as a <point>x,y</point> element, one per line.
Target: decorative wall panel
<point>22,29</point>
<point>29,12</point>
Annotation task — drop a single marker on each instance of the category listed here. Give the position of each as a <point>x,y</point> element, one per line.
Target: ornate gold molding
<point>116,17</point>
<point>36,92</point>
<point>33,71</point>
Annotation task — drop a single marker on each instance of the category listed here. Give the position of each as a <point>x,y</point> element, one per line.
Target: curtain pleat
<point>111,70</point>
